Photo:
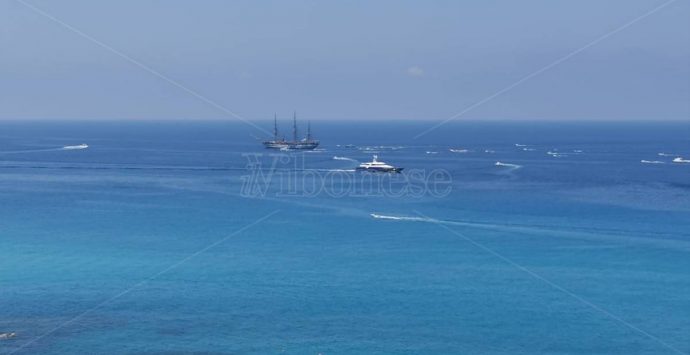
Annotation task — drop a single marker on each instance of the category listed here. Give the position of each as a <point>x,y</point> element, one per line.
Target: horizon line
<point>358,119</point>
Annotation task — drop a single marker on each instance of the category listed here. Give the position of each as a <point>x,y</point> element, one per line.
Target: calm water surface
<point>145,244</point>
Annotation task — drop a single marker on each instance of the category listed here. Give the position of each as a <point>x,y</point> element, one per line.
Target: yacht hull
<point>381,170</point>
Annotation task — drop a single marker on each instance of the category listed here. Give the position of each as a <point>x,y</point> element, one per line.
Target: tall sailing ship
<point>306,143</point>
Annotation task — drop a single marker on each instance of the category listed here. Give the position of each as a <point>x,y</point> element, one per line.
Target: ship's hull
<point>282,145</point>
<point>303,145</point>
<point>275,145</point>
<point>380,170</point>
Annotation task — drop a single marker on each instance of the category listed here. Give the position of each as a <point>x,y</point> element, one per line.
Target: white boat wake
<point>651,162</point>
<point>75,147</point>
<point>344,158</point>
<point>336,170</point>
<point>67,147</point>
<point>404,218</point>
<point>508,165</point>
<point>548,230</point>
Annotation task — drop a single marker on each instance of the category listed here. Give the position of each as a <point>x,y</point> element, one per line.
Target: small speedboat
<point>378,166</point>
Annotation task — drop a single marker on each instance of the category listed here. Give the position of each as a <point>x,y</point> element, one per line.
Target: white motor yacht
<point>378,166</point>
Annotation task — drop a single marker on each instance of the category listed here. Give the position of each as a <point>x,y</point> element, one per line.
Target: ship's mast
<point>275,127</point>
<point>308,131</point>
<point>294,126</point>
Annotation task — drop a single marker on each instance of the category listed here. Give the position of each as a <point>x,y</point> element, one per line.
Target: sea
<point>188,237</point>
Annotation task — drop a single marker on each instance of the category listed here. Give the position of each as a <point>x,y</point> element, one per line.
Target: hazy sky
<point>384,59</point>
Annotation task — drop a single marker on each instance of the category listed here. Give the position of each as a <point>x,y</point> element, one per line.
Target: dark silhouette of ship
<point>306,143</point>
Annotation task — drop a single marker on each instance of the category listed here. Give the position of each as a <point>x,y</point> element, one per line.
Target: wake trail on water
<point>75,147</point>
<point>32,151</point>
<point>576,232</point>
<point>508,165</point>
<point>405,218</point>
<point>331,170</point>
<point>433,220</point>
<point>344,158</point>
<point>67,147</point>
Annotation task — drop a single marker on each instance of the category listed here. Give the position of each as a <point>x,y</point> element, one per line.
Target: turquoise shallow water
<point>132,245</point>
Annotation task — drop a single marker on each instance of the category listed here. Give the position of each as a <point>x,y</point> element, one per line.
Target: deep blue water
<point>145,244</point>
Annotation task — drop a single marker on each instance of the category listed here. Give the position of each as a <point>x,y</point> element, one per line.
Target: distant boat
<point>378,166</point>
<point>681,160</point>
<point>306,143</point>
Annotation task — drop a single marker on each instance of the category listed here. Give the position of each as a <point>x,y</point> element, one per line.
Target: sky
<point>339,60</point>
